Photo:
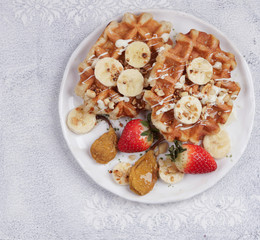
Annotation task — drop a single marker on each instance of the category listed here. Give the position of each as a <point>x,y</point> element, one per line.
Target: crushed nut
<point>159,92</point>
<point>183,94</point>
<point>111,105</point>
<point>218,65</point>
<point>106,101</point>
<point>90,93</point>
<point>226,98</point>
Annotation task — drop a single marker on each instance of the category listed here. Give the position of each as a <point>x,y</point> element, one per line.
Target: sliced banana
<point>121,173</point>
<point>199,71</point>
<point>217,145</point>
<point>168,172</point>
<point>107,71</point>
<point>137,54</point>
<point>79,121</point>
<point>187,110</point>
<point>130,83</point>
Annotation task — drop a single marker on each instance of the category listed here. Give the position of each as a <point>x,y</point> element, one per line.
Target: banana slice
<point>199,71</point>
<point>107,71</point>
<point>217,145</point>
<point>187,110</point>
<point>79,121</point>
<point>121,173</point>
<point>130,83</point>
<point>137,54</point>
<point>168,172</point>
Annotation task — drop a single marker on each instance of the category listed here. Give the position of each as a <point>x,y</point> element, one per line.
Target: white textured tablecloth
<point>44,194</point>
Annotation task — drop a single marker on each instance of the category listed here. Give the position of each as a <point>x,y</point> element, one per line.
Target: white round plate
<point>239,129</point>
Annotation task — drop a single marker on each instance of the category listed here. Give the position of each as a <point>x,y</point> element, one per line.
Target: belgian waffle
<point>169,83</point>
<point>100,99</point>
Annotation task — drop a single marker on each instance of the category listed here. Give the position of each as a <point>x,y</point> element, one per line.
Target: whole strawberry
<point>136,137</point>
<point>191,158</point>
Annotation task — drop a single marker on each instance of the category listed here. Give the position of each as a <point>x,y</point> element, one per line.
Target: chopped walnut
<point>183,94</point>
<point>111,105</point>
<point>159,92</point>
<point>106,101</point>
<point>90,93</point>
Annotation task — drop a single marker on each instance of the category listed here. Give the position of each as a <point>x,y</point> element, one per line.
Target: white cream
<point>164,36</point>
<point>88,67</point>
<point>161,49</point>
<point>162,101</point>
<point>118,99</point>
<point>95,60</point>
<point>123,43</point>
<point>125,99</point>
<point>164,69</point>
<point>206,115</point>
<point>185,128</point>
<point>87,79</point>
<point>180,84</point>
<point>223,79</point>
<point>165,108</point>
<point>164,75</point>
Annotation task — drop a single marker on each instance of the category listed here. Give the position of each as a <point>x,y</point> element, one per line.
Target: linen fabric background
<point>44,194</point>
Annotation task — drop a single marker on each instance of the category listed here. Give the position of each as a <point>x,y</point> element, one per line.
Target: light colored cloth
<point>44,194</point>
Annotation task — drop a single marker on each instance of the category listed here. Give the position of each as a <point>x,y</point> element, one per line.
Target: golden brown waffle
<point>168,87</point>
<point>133,28</point>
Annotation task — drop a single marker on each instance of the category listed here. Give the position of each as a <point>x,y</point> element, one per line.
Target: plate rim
<point>175,12</point>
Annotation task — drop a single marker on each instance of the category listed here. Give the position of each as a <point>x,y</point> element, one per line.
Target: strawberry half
<point>136,137</point>
<point>191,158</point>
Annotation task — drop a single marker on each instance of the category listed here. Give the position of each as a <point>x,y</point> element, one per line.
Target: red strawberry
<point>136,137</point>
<point>191,158</point>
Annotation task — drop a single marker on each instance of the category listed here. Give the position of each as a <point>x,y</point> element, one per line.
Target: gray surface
<point>44,194</point>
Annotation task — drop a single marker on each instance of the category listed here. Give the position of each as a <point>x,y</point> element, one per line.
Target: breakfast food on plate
<point>191,91</point>
<point>190,158</point>
<point>103,150</point>
<point>143,175</point>
<point>116,69</point>
<point>186,88</point>
<point>79,121</point>
<point>168,171</point>
<point>136,137</point>
<point>218,145</point>
<point>121,173</point>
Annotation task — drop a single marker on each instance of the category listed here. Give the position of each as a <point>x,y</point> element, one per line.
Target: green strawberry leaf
<point>154,130</point>
<point>175,150</point>
<point>145,123</point>
<point>150,137</point>
<point>145,133</point>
